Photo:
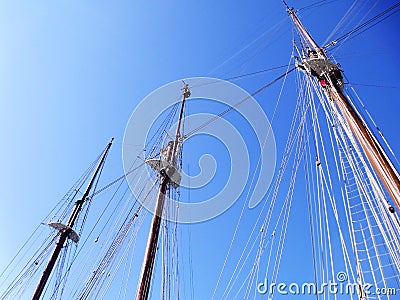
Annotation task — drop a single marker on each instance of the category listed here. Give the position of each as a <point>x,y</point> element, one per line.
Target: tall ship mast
<point>169,178</point>
<point>330,78</point>
<point>323,223</point>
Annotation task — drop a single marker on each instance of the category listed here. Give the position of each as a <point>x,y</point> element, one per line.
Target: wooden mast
<point>167,169</point>
<point>66,231</point>
<point>330,78</point>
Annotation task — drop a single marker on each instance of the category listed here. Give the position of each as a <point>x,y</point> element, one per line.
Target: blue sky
<point>72,72</point>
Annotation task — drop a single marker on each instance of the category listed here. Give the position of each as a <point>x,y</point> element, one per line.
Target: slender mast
<point>66,231</point>
<point>328,79</point>
<point>165,182</point>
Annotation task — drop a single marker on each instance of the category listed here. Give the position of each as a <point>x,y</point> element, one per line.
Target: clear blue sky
<point>71,73</point>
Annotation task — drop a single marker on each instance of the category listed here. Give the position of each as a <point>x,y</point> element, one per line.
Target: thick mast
<point>330,78</point>
<point>167,170</point>
<point>66,230</point>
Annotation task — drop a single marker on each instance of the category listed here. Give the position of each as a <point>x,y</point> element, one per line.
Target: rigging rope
<point>117,180</point>
<point>351,33</point>
<point>230,108</point>
<point>244,205</point>
<point>317,4</point>
<point>255,73</point>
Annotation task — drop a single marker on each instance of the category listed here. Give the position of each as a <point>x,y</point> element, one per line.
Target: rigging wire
<point>265,227</point>
<point>343,20</point>
<point>233,78</point>
<point>125,175</point>
<point>317,4</point>
<point>230,108</point>
<point>362,176</point>
<point>76,191</point>
<point>246,201</point>
<point>82,245</point>
<point>256,72</point>
<point>374,85</point>
<point>379,18</point>
<point>309,179</point>
<point>273,29</point>
<point>274,191</point>
<point>76,186</point>
<point>112,250</point>
<point>65,201</point>
<point>374,124</point>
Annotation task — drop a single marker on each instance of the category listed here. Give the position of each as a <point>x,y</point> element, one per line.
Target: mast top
<point>287,6</point>
<point>186,90</point>
<point>305,34</point>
